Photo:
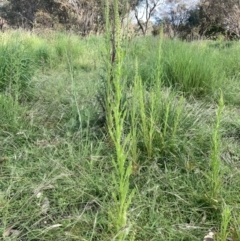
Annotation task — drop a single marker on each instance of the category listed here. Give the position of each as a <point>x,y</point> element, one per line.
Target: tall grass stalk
<point>133,117</point>
<point>226,218</point>
<point>236,226</point>
<point>215,161</point>
<point>176,120</point>
<point>73,89</point>
<point>158,116</point>
<point>116,116</point>
<point>146,119</point>
<point>158,69</point>
<point>16,69</point>
<point>9,109</point>
<point>147,103</point>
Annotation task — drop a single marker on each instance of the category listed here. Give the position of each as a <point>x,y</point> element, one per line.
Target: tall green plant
<point>116,116</point>
<point>146,113</point>
<point>226,219</point>
<point>215,175</point>
<point>159,116</point>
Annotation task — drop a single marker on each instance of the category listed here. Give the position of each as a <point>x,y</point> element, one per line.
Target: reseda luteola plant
<point>215,173</point>
<point>116,115</point>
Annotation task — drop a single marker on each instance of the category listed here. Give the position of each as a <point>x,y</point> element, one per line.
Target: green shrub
<point>42,53</point>
<point>191,69</point>
<point>229,59</point>
<point>9,110</point>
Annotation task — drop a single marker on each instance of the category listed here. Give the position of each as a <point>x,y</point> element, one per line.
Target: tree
<point>217,16</point>
<point>83,16</point>
<point>22,13</point>
<point>143,19</point>
<point>175,16</point>
<point>231,18</point>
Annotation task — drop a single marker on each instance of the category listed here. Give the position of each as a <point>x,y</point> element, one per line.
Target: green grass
<point>171,140</point>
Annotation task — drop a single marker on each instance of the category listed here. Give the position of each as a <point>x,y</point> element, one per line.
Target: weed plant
<point>224,228</point>
<point>215,163</point>
<point>116,115</point>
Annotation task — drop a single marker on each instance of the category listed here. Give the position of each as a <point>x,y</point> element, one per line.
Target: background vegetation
<point>172,139</point>
<point>185,19</point>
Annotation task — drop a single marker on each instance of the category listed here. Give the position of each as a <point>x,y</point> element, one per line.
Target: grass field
<point>162,158</point>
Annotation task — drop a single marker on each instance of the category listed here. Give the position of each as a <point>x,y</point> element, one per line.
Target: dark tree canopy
<point>84,16</point>
<point>214,17</point>
<point>202,18</point>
